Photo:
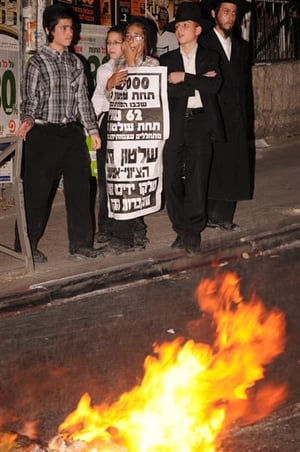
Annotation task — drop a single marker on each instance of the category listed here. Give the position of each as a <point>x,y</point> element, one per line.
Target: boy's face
<point>187,31</point>
<point>114,45</point>
<point>62,34</point>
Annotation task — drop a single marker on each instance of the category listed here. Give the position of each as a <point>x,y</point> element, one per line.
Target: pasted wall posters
<point>92,45</point>
<point>9,77</point>
<point>9,70</point>
<point>137,7</point>
<point>88,11</point>
<point>153,8</point>
<point>124,11</point>
<point>138,125</point>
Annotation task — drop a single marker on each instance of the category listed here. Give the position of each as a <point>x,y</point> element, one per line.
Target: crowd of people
<point>206,159</point>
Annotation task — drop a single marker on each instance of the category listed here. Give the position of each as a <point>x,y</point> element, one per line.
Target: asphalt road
<point>50,355</point>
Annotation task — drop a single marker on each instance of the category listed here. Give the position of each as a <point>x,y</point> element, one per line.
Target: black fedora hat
<point>242,5</point>
<point>189,11</point>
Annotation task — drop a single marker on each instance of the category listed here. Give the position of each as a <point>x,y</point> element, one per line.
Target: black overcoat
<point>230,177</point>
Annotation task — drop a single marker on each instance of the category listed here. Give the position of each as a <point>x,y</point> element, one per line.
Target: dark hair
<point>115,29</point>
<point>237,30</point>
<point>51,16</point>
<point>149,33</point>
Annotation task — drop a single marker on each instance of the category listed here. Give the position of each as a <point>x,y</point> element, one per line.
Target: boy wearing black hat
<point>230,177</point>
<point>193,81</point>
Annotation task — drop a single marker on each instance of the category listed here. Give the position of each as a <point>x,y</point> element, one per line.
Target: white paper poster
<point>138,125</point>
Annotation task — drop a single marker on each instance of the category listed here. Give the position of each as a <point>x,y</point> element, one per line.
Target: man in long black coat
<point>230,176</point>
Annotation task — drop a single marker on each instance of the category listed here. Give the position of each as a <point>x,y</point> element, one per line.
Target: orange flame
<point>192,392</point>
<point>7,440</point>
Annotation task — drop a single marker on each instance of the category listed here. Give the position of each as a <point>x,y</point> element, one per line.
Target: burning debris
<point>14,442</point>
<point>192,394</point>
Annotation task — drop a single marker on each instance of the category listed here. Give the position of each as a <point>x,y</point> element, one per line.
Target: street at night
<point>97,343</point>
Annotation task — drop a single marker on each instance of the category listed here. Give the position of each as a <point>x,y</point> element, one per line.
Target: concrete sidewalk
<point>271,219</point>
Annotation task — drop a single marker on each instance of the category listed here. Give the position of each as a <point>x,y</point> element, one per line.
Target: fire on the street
<point>192,394</point>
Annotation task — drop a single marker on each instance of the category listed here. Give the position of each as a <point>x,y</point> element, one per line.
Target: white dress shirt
<point>226,43</point>
<point>100,99</point>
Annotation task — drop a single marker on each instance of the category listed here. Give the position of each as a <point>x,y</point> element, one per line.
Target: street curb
<point>247,247</point>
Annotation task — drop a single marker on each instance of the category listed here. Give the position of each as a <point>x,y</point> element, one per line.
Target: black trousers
<point>186,171</point>
<point>50,152</point>
<point>220,211</point>
<point>128,231</point>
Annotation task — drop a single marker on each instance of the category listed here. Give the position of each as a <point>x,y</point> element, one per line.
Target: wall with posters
<point>88,11</point>
<point>9,76</point>
<point>9,70</point>
<point>92,46</point>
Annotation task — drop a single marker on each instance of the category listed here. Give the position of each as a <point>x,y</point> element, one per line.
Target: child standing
<point>137,48</point>
<point>194,80</point>
<point>107,77</point>
<point>54,101</point>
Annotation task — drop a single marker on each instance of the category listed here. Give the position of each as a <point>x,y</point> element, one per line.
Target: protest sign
<point>138,125</point>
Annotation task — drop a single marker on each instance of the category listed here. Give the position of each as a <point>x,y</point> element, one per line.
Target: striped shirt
<point>55,90</point>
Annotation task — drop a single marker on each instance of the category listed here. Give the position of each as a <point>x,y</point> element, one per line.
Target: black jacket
<point>230,173</point>
<point>178,94</point>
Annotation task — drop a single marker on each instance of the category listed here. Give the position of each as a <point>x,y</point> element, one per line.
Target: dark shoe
<point>103,237</point>
<point>223,226</point>
<point>87,252</point>
<point>117,246</point>
<point>212,224</point>
<point>140,242</point>
<point>227,226</point>
<point>192,245</point>
<point>140,239</point>
<point>38,257</point>
<point>192,250</point>
<point>178,243</point>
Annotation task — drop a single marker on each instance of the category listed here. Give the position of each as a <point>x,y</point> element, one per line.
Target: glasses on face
<point>129,37</point>
<point>114,43</point>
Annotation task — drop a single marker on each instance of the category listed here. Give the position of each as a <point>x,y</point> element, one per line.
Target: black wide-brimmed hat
<point>189,11</point>
<point>242,5</point>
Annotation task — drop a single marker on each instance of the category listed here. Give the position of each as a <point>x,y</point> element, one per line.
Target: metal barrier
<point>14,150</point>
<point>275,30</point>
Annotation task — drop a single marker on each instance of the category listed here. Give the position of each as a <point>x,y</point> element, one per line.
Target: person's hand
<point>131,53</point>
<point>176,77</point>
<point>210,74</point>
<point>96,141</point>
<point>24,128</point>
<point>117,78</point>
